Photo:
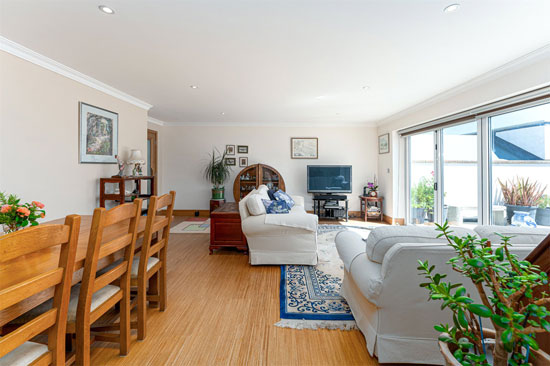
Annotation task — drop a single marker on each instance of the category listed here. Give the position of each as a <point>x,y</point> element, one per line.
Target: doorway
<point>152,159</point>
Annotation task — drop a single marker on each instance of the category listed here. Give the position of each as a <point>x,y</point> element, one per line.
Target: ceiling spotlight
<point>106,9</point>
<point>366,87</point>
<point>223,113</point>
<point>451,8</point>
<point>193,86</point>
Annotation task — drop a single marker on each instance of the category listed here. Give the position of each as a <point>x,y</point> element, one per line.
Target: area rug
<point>310,295</point>
<point>192,226</point>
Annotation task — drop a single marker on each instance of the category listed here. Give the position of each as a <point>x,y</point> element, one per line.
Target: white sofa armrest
<point>349,246</point>
<point>298,200</point>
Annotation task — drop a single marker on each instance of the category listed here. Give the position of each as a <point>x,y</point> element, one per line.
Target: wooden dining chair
<point>150,267</point>
<point>16,347</point>
<point>95,295</point>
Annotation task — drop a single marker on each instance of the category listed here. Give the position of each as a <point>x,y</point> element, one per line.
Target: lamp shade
<point>135,155</point>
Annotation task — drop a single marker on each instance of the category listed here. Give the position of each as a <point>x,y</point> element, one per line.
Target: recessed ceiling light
<point>451,8</point>
<point>366,87</point>
<point>223,113</point>
<point>106,9</point>
<point>193,86</point>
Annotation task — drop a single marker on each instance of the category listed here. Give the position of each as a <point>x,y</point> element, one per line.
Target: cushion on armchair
<point>275,207</point>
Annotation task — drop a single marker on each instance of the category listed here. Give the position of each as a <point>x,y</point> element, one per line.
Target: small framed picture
<point>230,150</point>
<point>304,148</point>
<point>98,135</point>
<point>243,161</point>
<point>242,149</point>
<point>384,143</point>
<point>230,161</point>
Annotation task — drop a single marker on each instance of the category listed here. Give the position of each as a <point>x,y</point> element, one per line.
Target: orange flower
<point>24,211</point>
<point>42,215</point>
<point>38,204</point>
<point>5,208</point>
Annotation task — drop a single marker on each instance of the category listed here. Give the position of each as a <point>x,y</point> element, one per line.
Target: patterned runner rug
<point>310,295</point>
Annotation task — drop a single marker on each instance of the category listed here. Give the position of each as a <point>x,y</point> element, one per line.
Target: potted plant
<point>372,189</point>
<point>505,286</point>
<point>15,216</point>
<point>422,199</point>
<point>521,195</point>
<point>543,211</point>
<point>217,172</point>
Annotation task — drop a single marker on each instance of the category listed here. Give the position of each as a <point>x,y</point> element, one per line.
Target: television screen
<point>329,178</point>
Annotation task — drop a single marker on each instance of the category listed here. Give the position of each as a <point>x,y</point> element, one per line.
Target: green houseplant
<point>543,211</point>
<point>15,215</point>
<point>505,285</point>
<point>217,172</point>
<point>520,194</point>
<point>422,198</point>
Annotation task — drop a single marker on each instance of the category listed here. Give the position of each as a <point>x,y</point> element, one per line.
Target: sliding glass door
<point>422,178</point>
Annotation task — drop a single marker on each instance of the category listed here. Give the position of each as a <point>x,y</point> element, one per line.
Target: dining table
<point>27,266</point>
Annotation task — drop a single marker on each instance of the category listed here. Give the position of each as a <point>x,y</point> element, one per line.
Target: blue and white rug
<point>310,295</point>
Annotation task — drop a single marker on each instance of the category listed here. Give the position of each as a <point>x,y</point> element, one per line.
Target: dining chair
<point>150,267</point>
<point>16,347</point>
<point>97,294</point>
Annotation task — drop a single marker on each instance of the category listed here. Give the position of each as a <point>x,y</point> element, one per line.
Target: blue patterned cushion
<point>271,195</point>
<point>282,196</point>
<point>276,207</point>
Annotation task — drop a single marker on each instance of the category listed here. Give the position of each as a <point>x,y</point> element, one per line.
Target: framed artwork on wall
<point>242,149</point>
<point>304,148</point>
<point>230,161</point>
<point>243,161</point>
<point>230,149</point>
<point>384,143</point>
<point>98,135</point>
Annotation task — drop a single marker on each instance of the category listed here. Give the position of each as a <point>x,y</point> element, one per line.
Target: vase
<point>218,193</point>
<point>532,210</point>
<point>522,218</point>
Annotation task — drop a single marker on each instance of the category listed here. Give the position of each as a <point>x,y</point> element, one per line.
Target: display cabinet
<point>253,176</point>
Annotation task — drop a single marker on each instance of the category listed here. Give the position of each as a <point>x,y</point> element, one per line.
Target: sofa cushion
<point>521,235</point>
<point>275,207</point>
<point>382,239</point>
<point>271,194</point>
<point>255,205</point>
<point>262,191</point>
<point>283,196</point>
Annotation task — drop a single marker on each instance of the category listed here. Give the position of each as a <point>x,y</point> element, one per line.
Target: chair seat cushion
<point>98,298</point>
<point>24,354</point>
<point>151,261</point>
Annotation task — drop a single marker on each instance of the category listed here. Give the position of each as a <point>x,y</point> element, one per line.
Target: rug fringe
<point>317,324</point>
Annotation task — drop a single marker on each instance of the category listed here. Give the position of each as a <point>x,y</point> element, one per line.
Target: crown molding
<point>156,121</point>
<point>511,66</point>
<point>282,124</point>
<point>29,55</point>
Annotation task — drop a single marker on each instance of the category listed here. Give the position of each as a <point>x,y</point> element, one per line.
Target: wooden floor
<point>222,311</point>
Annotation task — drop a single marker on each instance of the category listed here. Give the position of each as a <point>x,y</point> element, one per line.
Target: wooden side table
<point>214,204</point>
<point>121,196</point>
<point>374,201</point>
<point>225,228</point>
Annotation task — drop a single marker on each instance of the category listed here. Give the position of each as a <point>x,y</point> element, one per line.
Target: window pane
<point>520,154</point>
<point>422,195</point>
<point>460,181</point>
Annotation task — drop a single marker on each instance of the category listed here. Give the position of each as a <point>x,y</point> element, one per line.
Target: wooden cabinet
<point>253,176</point>
<point>225,228</point>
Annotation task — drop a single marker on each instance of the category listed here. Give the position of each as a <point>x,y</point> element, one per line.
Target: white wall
<point>39,137</point>
<point>508,81</point>
<point>185,151</point>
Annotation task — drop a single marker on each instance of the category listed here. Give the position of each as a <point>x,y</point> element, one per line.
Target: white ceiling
<point>279,61</point>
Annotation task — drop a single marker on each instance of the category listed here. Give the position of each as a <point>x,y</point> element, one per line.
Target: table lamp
<point>136,159</point>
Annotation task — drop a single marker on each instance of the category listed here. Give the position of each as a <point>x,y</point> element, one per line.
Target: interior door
<point>152,158</point>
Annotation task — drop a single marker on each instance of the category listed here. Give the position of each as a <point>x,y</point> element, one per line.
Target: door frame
<point>153,164</point>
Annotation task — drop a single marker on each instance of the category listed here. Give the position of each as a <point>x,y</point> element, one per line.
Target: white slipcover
<point>280,244</point>
<point>390,308</point>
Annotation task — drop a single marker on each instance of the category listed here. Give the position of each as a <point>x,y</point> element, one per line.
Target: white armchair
<point>292,241</point>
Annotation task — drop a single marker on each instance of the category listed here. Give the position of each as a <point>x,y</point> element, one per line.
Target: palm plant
<point>217,172</point>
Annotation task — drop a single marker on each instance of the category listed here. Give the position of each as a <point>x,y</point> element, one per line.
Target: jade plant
<point>505,286</point>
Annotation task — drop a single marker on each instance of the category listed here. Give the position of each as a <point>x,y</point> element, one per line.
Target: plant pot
<point>511,208</point>
<point>543,216</point>
<point>537,358</point>
<point>418,215</point>
<point>218,193</point>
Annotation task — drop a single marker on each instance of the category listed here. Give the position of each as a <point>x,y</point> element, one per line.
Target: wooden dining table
<point>24,267</point>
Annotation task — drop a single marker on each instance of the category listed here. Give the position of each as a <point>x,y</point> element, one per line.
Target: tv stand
<point>327,206</point>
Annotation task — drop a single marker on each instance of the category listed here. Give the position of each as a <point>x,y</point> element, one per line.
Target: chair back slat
<point>31,240</point>
<point>156,247</point>
<point>119,213</point>
<point>158,225</point>
<point>27,331</point>
<point>114,245</point>
<point>57,280</point>
<point>110,276</point>
<point>19,292</point>
<point>165,200</point>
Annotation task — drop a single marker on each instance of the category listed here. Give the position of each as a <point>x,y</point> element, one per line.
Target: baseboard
<point>390,220</point>
<point>202,213</point>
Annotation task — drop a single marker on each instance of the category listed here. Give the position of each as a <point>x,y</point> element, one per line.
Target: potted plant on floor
<point>505,285</point>
<point>543,211</point>
<point>521,195</point>
<point>217,172</point>
<point>422,199</point>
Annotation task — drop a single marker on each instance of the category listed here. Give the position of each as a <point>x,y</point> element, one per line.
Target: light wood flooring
<point>222,311</point>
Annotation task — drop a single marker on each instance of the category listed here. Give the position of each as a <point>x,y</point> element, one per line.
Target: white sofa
<point>293,242</point>
<point>381,285</point>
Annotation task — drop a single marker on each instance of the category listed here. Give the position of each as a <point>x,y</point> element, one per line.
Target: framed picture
<point>98,135</point>
<point>242,149</point>
<point>384,143</point>
<point>304,148</point>
<point>230,149</point>
<point>230,161</point>
<point>243,161</point>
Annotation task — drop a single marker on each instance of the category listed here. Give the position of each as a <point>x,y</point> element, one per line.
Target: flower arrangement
<point>15,216</point>
<point>505,286</point>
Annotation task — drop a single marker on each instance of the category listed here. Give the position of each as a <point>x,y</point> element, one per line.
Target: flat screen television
<point>329,178</point>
